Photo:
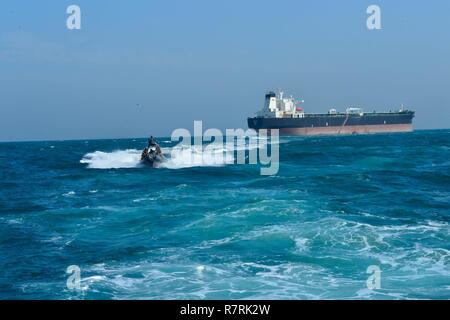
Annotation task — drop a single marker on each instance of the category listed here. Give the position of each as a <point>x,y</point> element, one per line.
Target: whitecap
<point>301,244</point>
<point>200,269</point>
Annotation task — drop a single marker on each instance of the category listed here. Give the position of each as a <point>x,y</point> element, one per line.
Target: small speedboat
<point>152,156</point>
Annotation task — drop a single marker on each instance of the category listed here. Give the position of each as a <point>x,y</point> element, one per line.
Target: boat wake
<point>118,159</point>
<point>192,156</point>
<point>176,158</point>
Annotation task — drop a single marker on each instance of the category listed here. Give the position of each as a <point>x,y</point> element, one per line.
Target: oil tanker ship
<point>289,118</point>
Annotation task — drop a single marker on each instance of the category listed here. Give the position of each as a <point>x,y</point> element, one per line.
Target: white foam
<point>129,158</point>
<point>200,269</point>
<point>301,244</point>
<point>176,158</point>
<point>191,156</point>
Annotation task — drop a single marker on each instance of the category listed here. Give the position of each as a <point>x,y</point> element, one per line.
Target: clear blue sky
<point>213,61</point>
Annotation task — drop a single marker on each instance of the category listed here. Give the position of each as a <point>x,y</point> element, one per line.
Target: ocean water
<point>337,206</point>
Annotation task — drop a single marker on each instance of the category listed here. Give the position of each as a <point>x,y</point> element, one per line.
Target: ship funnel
<point>270,94</point>
<point>270,102</point>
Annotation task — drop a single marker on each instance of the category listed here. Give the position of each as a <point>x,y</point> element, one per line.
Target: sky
<point>137,68</point>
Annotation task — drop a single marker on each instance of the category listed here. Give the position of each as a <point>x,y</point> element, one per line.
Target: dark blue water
<point>337,206</point>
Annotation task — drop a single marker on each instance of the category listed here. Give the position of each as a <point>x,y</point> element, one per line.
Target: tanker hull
<point>325,124</point>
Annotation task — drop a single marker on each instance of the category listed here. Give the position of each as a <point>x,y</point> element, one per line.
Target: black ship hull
<point>333,124</point>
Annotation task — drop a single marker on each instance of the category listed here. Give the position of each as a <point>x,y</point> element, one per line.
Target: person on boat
<point>144,153</point>
<point>158,150</point>
<point>153,143</point>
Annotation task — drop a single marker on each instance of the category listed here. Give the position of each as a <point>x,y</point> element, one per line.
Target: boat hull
<point>152,161</point>
<point>324,124</point>
<point>364,129</point>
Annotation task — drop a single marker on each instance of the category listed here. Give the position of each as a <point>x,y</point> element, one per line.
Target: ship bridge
<point>277,106</point>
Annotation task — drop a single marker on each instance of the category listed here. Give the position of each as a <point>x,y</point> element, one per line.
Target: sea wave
<point>337,206</point>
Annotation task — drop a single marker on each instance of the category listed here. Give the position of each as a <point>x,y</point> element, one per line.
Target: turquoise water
<point>337,206</point>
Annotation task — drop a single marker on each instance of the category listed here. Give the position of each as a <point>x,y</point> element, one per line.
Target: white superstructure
<point>276,106</point>
<point>355,111</point>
